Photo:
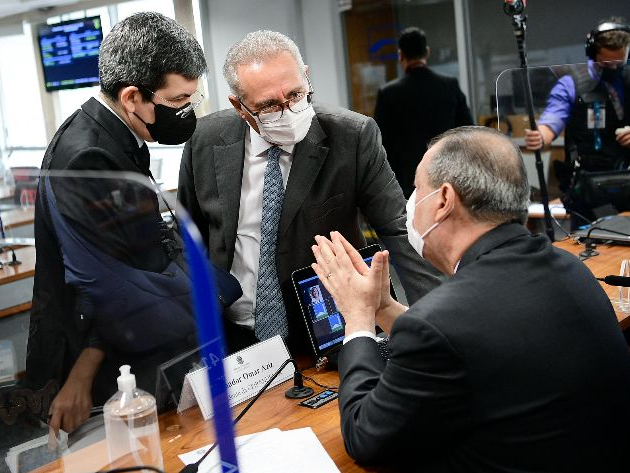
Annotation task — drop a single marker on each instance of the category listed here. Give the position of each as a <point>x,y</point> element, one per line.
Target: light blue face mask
<point>415,239</point>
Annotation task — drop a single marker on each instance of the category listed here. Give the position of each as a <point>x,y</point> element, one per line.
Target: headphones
<point>590,48</point>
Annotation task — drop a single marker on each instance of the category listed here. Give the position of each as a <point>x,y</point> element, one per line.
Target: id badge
<point>590,118</point>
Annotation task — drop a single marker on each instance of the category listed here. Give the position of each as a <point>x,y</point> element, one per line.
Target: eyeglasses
<point>272,113</point>
<point>195,100</point>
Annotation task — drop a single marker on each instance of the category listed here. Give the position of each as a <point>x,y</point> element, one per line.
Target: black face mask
<point>169,128</point>
<point>609,75</point>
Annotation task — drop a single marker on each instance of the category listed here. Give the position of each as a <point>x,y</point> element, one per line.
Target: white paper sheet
<point>557,210</point>
<point>270,451</point>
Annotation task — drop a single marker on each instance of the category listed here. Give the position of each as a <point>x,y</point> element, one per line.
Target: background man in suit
<point>148,70</point>
<point>262,179</point>
<point>416,107</point>
<point>516,363</point>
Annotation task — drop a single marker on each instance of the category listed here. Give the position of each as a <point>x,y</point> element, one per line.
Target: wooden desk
<point>6,192</point>
<point>18,217</point>
<point>607,262</point>
<point>14,280</point>
<point>181,433</point>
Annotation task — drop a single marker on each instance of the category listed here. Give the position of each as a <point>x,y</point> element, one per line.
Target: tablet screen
<point>323,317</point>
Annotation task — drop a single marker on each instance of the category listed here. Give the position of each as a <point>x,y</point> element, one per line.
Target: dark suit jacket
<point>94,140</point>
<point>515,364</point>
<point>412,110</point>
<point>338,169</point>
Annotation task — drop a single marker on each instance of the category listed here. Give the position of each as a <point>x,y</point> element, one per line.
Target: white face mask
<point>415,239</point>
<point>289,130</point>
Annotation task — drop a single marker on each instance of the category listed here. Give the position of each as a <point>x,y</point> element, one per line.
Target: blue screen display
<point>69,53</point>
<point>327,321</point>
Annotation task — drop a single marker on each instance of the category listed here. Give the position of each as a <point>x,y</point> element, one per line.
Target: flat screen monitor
<point>69,53</point>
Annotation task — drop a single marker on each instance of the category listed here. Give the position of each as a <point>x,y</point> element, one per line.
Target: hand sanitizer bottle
<point>131,425</point>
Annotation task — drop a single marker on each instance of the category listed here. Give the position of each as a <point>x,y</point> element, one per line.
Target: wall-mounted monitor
<point>69,53</point>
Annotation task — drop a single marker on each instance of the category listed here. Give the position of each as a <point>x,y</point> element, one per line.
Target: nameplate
<point>246,372</point>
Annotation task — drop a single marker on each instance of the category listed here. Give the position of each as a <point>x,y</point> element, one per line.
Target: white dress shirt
<point>247,247</point>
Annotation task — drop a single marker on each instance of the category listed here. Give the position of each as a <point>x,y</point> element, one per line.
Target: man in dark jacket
<point>516,363</point>
<point>148,69</point>
<point>416,107</point>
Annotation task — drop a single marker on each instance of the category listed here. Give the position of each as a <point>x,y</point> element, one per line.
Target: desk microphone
<point>14,261</point>
<point>298,391</point>
<point>613,280</point>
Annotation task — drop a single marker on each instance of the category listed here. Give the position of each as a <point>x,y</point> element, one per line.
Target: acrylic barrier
<point>116,283</point>
<point>579,105</point>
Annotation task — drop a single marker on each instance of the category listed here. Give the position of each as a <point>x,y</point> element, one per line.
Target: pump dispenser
<point>126,381</point>
<point>131,425</point>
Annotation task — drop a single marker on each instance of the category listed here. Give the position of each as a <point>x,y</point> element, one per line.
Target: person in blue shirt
<point>592,104</point>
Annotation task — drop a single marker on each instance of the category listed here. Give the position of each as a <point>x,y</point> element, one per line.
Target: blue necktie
<point>270,314</point>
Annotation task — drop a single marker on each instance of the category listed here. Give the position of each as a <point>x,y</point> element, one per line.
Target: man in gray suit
<point>261,180</point>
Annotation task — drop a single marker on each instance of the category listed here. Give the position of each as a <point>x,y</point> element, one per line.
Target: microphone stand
<point>298,391</point>
<point>518,21</point>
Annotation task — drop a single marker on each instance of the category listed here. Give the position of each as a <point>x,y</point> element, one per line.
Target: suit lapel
<point>308,159</point>
<point>228,167</point>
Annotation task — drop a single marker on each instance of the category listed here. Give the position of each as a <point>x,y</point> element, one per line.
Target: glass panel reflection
<point>111,288</point>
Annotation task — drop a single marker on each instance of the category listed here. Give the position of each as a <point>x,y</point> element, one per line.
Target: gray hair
<point>485,169</point>
<point>142,49</point>
<point>256,47</point>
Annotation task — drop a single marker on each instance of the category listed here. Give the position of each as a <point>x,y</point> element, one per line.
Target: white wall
<point>314,26</point>
<point>324,51</point>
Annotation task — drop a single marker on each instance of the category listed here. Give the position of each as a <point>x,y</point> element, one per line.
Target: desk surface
<point>181,433</point>
<point>18,217</point>
<point>12,273</point>
<point>607,262</point>
<point>9,274</point>
<point>6,192</point>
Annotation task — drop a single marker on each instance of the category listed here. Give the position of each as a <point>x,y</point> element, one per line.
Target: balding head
<point>485,169</point>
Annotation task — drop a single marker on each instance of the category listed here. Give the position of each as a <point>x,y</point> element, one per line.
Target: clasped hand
<point>358,290</point>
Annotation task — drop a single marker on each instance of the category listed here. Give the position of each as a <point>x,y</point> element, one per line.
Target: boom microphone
<point>612,280</point>
<point>514,7</point>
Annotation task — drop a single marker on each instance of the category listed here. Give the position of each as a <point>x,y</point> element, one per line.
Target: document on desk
<point>298,451</point>
<point>556,210</point>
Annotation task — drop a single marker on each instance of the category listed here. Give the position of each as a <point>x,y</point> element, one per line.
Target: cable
<point>555,220</point>
<point>308,378</point>
<point>14,261</point>
<point>573,212</point>
<point>297,378</point>
<point>132,468</point>
<point>2,234</point>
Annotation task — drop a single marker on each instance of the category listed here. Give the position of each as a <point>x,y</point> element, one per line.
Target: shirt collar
<point>139,140</point>
<point>491,240</point>
<point>259,145</point>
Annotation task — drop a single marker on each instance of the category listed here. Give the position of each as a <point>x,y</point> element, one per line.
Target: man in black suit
<point>148,69</point>
<point>416,107</point>
<point>516,363</point>
<point>262,179</point>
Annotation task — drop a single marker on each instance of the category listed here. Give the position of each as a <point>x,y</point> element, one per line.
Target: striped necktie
<point>270,314</point>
